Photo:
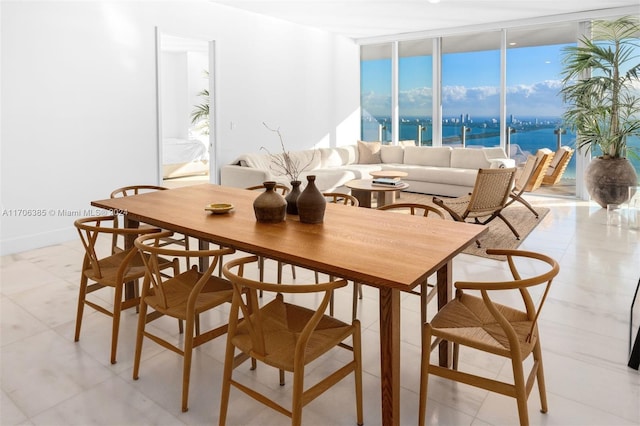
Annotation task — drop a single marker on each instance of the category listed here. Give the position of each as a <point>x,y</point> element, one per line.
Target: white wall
<point>78,114</point>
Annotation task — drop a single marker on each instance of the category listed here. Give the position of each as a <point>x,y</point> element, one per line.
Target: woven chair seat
<point>467,320</point>
<point>177,292</point>
<point>282,323</point>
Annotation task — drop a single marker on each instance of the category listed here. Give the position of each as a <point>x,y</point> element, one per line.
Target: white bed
<point>184,157</point>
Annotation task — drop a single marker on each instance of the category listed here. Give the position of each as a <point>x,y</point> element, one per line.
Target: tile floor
<point>47,379</point>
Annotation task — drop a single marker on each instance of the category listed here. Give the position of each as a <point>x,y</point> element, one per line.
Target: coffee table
<point>363,188</point>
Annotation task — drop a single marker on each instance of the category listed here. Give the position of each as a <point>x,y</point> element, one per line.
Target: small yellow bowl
<point>219,208</point>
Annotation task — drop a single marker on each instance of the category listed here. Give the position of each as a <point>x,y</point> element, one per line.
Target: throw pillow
<point>369,152</point>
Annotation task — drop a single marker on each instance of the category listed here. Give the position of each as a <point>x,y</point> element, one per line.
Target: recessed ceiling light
<point>513,43</point>
<point>434,1</point>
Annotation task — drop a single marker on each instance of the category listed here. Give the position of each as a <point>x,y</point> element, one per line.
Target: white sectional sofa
<point>431,170</point>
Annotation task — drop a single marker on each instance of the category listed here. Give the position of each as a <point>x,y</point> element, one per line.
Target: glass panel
<point>415,91</point>
<point>534,105</point>
<point>471,90</point>
<point>375,93</point>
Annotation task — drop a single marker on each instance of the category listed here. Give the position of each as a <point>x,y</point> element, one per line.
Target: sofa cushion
<point>360,171</point>
<point>392,154</point>
<point>328,180</point>
<point>330,157</point>
<point>440,175</point>
<point>427,156</point>
<point>369,152</point>
<point>469,158</point>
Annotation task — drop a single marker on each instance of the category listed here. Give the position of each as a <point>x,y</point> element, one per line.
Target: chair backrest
<point>525,174</point>
<point>284,190</point>
<point>490,192</point>
<point>341,198</point>
<point>152,249</point>
<point>90,229</point>
<point>245,301</point>
<point>125,191</point>
<point>518,283</point>
<point>415,209</point>
<point>545,156</point>
<point>558,165</point>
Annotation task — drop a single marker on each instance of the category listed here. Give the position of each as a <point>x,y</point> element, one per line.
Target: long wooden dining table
<point>392,252</point>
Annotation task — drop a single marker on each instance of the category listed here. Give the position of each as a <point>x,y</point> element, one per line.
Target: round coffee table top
<point>388,174</point>
<point>367,185</point>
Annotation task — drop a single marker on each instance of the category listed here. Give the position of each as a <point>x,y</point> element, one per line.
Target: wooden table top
<point>367,185</point>
<point>374,247</point>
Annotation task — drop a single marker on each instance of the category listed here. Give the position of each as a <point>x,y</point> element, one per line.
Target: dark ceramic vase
<point>292,197</point>
<point>311,203</point>
<point>608,180</point>
<point>270,207</point>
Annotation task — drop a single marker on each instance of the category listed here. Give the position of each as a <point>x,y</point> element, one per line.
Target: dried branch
<point>282,163</point>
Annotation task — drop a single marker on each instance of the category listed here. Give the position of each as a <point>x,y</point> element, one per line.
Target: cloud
<point>539,99</point>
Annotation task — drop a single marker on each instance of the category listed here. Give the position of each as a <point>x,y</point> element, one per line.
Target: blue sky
<point>470,83</point>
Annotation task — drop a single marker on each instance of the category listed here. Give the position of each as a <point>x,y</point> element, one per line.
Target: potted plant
<point>600,84</point>
<point>200,113</point>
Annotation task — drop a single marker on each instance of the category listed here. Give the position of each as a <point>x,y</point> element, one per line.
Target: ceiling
<point>361,19</point>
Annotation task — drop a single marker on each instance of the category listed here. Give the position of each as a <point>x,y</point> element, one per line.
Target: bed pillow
<point>369,152</point>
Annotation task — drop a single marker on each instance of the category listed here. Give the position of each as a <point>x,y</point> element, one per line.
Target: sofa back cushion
<point>494,152</point>
<point>392,154</point>
<point>439,156</point>
<point>469,158</point>
<point>330,157</point>
<point>369,152</point>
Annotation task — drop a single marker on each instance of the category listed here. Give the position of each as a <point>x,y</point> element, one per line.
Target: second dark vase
<point>292,197</point>
<point>311,203</point>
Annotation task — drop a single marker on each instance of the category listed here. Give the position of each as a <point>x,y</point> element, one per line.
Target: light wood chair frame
<point>341,198</point>
<point>545,157</point>
<point>523,177</point>
<point>305,339</point>
<point>487,328</point>
<point>347,200</point>
<point>129,190</point>
<point>113,270</point>
<point>183,296</point>
<point>559,169</point>
<point>488,199</point>
<point>427,290</point>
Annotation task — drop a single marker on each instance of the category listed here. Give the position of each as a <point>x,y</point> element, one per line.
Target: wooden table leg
<point>386,197</point>
<point>130,287</point>
<point>363,197</point>
<point>390,355</point>
<point>203,261</point>
<point>445,294</point>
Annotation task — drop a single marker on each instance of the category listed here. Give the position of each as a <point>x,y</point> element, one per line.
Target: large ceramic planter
<point>608,180</point>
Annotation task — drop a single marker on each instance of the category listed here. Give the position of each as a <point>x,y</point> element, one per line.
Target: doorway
<point>185,131</point>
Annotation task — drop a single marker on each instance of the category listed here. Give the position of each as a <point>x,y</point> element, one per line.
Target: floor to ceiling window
<point>471,89</point>
<point>534,104</point>
<point>415,91</point>
<point>497,87</point>
<point>375,93</point>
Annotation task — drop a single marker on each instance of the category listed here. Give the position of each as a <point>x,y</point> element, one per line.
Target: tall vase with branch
<point>284,164</point>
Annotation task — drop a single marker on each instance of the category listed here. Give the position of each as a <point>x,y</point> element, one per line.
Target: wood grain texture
<point>358,244</point>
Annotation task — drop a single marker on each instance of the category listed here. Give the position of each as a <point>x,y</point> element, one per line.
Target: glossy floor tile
<point>47,379</point>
